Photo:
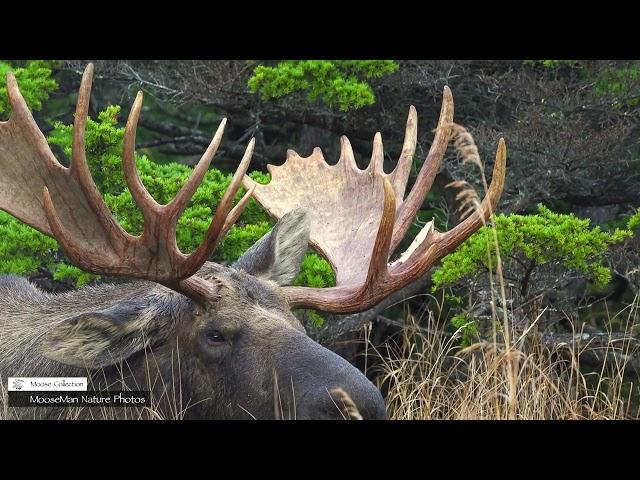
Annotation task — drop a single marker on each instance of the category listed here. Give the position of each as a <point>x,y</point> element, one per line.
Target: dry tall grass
<point>427,375</point>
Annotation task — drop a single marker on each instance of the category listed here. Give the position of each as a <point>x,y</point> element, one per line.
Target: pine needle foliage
<point>337,83</point>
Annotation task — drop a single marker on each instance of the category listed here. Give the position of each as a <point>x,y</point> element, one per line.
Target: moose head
<point>233,325</point>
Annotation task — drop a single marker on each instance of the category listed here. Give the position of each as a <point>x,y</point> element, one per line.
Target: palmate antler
<point>66,204</point>
<point>360,216</point>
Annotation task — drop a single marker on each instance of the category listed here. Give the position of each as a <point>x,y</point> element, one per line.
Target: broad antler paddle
<point>360,216</point>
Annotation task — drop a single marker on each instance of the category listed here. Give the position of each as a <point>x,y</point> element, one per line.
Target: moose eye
<point>214,337</point>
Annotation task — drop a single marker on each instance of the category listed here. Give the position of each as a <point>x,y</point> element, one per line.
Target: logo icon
<point>17,383</point>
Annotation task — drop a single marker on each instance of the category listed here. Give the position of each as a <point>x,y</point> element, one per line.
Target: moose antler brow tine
<point>78,156</point>
<point>425,255</point>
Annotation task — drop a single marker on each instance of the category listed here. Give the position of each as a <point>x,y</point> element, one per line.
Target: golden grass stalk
<point>426,375</point>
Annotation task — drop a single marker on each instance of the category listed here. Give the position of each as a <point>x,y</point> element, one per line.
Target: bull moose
<point>221,339</point>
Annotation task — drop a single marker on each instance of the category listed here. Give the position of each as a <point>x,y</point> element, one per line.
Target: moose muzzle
<point>326,386</point>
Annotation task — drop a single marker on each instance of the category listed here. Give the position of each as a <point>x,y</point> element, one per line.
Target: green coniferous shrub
<point>538,252</point>
<point>34,80</point>
<point>337,83</point>
<point>536,240</point>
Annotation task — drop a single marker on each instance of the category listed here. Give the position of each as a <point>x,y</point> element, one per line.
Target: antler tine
<point>433,249</point>
<point>421,239</point>
<point>377,156</point>
<point>217,227</point>
<point>428,171</point>
<point>401,173</point>
<point>140,195</point>
<point>347,158</point>
<point>380,254</point>
<point>460,232</point>
<point>79,166</point>
<point>180,201</point>
<point>78,155</point>
<point>236,211</point>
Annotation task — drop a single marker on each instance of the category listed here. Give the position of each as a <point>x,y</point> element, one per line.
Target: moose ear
<point>102,338</point>
<point>277,256</point>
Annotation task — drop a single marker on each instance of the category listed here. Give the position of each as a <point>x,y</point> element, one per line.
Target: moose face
<point>244,355</point>
<point>253,349</point>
